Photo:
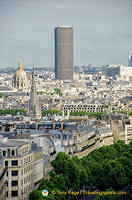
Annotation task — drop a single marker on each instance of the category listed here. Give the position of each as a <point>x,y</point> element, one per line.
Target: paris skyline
<point>102,31</point>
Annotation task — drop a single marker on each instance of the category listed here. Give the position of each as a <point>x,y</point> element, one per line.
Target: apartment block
<point>3,180</point>
<point>128,133</point>
<point>23,171</point>
<point>83,107</point>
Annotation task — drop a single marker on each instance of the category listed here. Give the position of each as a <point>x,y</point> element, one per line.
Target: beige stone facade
<point>20,172</point>
<point>118,131</point>
<point>3,181</point>
<point>128,133</point>
<point>24,168</point>
<point>83,107</point>
<point>38,168</point>
<point>34,109</point>
<point>86,143</point>
<point>83,141</point>
<point>106,139</point>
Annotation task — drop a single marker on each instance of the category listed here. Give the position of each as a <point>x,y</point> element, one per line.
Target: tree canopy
<point>76,113</point>
<point>1,95</point>
<point>12,111</point>
<point>106,167</point>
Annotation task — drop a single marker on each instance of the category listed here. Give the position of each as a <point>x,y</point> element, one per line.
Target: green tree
<point>51,112</point>
<point>109,166</point>
<point>63,164</point>
<point>114,175</point>
<point>12,111</point>
<point>1,95</point>
<point>108,196</point>
<point>58,181</point>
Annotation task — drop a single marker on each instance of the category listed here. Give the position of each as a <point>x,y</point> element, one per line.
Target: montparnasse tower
<point>34,110</point>
<point>19,80</point>
<point>64,53</point>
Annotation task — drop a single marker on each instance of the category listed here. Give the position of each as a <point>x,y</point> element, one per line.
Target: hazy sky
<point>102,31</point>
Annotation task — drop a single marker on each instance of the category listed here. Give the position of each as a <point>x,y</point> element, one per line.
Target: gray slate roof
<point>12,143</point>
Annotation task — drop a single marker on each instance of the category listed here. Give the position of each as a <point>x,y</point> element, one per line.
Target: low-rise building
<point>73,107</point>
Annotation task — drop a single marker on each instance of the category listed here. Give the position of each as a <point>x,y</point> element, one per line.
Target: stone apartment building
<point>122,130</point>
<point>3,180</point>
<point>24,167</point>
<point>86,139</point>
<point>106,135</point>
<point>77,140</point>
<point>128,133</point>
<point>74,107</point>
<point>69,137</point>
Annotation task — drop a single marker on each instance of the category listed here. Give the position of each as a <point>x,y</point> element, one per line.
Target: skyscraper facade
<point>130,60</point>
<point>64,53</point>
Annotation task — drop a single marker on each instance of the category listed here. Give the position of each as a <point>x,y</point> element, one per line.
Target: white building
<point>73,107</point>
<point>119,70</point>
<point>128,133</point>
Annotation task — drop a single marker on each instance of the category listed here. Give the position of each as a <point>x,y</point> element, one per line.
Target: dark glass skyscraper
<point>64,52</point>
<point>130,60</point>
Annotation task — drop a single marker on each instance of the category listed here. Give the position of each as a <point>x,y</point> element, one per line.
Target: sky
<point>102,31</point>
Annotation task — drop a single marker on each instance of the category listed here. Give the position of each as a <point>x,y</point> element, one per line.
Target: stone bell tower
<point>34,109</point>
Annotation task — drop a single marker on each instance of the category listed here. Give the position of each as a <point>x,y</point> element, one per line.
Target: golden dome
<point>20,72</point>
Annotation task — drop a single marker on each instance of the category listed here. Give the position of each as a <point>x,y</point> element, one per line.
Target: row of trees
<point>56,91</point>
<point>106,167</point>
<point>12,111</point>
<point>51,112</point>
<point>85,113</point>
<point>125,112</point>
<point>78,113</point>
<point>1,95</point>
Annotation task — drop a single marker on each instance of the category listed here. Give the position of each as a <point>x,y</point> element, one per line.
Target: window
<point>14,162</point>
<point>6,163</point>
<point>13,152</point>
<point>4,153</point>
<point>21,162</point>
<point>14,193</point>
<point>14,183</point>
<point>15,173</point>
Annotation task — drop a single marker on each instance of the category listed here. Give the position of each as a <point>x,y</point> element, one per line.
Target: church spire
<point>34,107</point>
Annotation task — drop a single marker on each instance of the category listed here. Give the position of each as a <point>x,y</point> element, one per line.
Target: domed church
<point>19,80</point>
